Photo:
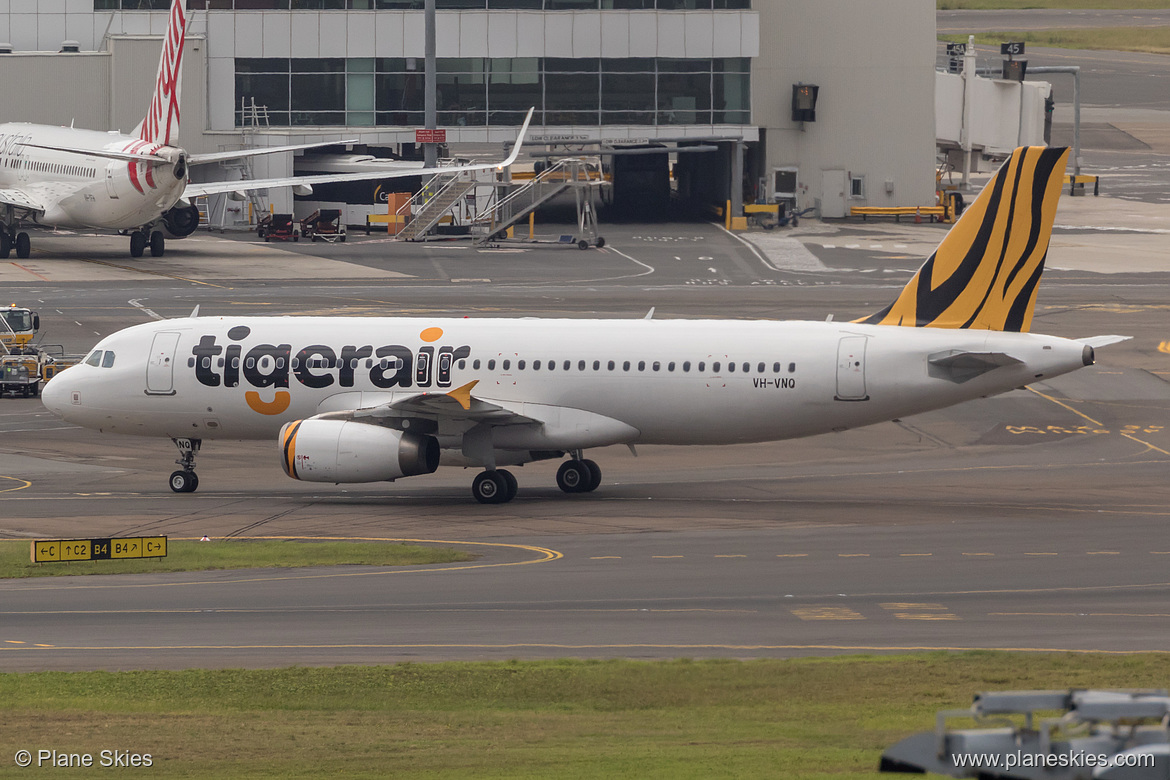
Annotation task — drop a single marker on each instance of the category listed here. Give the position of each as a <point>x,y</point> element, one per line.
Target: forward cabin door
<point>160,367</point>
<point>851,369</point>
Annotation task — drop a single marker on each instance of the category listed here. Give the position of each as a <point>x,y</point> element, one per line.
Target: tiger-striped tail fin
<point>984,274</point>
<point>161,125</point>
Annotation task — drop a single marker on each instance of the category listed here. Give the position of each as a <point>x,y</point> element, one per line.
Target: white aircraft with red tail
<point>135,184</point>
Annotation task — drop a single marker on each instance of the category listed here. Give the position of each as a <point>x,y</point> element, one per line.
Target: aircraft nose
<point>55,396</point>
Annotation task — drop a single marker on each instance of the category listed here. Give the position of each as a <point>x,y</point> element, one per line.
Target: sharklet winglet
<point>463,394</point>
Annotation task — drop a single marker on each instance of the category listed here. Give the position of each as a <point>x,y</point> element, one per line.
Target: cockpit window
<point>108,360</point>
<point>94,358</point>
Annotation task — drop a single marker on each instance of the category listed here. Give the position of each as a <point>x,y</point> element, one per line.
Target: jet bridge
<point>1097,735</point>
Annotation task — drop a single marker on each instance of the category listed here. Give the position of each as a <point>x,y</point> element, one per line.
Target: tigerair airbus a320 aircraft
<point>135,184</point>
<point>378,399</point>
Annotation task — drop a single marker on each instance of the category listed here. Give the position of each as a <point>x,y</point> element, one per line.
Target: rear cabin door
<point>851,369</point>
<point>160,367</point>
<point>111,187</point>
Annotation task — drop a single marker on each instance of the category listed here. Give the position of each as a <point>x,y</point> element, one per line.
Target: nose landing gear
<point>186,480</point>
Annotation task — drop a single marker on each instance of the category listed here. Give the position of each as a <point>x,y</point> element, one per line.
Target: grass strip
<point>803,719</point>
<point>1151,40</point>
<point>235,554</point>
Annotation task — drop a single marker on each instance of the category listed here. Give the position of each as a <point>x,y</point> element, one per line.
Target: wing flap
<point>21,199</point>
<point>455,405</point>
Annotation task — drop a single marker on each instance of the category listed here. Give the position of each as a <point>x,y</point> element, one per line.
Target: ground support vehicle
<point>25,367</point>
<point>279,227</point>
<point>324,225</point>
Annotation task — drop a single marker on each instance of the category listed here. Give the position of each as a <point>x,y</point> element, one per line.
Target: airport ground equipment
<point>439,196</point>
<point>583,175</point>
<point>324,225</point>
<point>279,227</point>
<point>25,367</point>
<point>1054,735</point>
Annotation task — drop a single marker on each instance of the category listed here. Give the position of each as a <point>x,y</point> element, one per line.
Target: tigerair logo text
<point>277,366</point>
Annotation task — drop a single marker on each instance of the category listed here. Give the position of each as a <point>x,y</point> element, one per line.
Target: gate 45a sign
<point>62,550</point>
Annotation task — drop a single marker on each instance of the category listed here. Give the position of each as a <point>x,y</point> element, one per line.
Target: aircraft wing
<point>150,159</point>
<point>246,185</point>
<point>21,199</point>
<point>203,159</point>
<point>457,404</point>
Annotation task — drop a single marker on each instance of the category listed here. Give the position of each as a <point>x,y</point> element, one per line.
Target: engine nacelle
<point>347,451</point>
<point>181,221</point>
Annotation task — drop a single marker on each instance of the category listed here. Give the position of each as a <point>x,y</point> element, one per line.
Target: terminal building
<point>813,103</point>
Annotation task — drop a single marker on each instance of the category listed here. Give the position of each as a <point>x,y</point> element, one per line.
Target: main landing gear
<point>498,486</point>
<point>140,239</point>
<point>20,242</point>
<point>185,480</point>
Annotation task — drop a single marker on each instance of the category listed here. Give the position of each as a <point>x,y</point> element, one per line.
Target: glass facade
<point>413,5</point>
<point>476,91</point>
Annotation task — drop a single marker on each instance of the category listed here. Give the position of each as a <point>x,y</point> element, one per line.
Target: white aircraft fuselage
<point>90,191</point>
<point>589,382</point>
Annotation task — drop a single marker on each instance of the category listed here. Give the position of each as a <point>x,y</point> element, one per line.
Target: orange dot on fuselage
<point>431,334</point>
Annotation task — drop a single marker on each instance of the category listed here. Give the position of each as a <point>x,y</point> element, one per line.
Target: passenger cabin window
<point>791,367</point>
<point>580,365</point>
<point>702,366</point>
<point>475,365</point>
<point>714,367</point>
<point>686,365</point>
<point>535,365</point>
<point>520,364</point>
<point>567,365</point>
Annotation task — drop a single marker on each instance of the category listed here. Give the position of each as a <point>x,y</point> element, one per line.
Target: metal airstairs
<point>581,174</point>
<point>440,195</point>
<point>508,203</point>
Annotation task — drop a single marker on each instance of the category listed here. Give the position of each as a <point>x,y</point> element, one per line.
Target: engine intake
<point>347,451</point>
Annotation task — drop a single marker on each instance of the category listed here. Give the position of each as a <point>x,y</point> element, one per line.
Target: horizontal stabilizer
<point>1103,341</point>
<point>151,159</point>
<point>959,366</point>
